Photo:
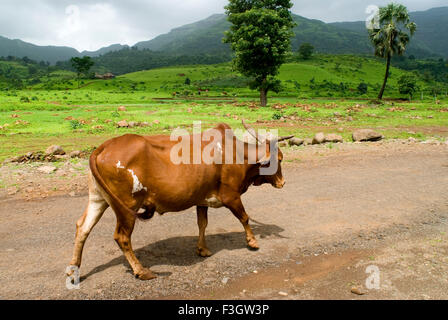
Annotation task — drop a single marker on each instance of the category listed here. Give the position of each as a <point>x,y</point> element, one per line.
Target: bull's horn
<point>251,131</point>
<point>284,138</point>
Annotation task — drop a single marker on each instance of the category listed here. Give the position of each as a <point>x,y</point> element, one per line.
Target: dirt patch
<point>318,233</point>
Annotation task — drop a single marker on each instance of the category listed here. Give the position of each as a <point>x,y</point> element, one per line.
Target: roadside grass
<point>33,126</point>
<point>78,119</point>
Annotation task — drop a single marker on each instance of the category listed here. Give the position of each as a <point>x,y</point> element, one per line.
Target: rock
<point>432,142</point>
<point>340,130</point>
<point>337,114</point>
<point>357,291</point>
<point>319,138</point>
<point>122,108</point>
<point>55,151</point>
<point>284,294</point>
<point>144,124</point>
<point>225,280</point>
<point>366,135</point>
<point>412,140</point>
<point>307,142</point>
<point>334,138</point>
<point>72,194</point>
<point>296,142</point>
<point>47,169</point>
<point>75,154</point>
<point>132,124</point>
<point>350,119</point>
<point>156,122</point>
<point>122,124</point>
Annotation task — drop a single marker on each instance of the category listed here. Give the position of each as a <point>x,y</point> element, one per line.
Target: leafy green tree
<point>306,51</point>
<point>187,81</point>
<point>363,88</point>
<point>81,65</point>
<point>392,36</point>
<point>407,84</point>
<point>260,36</point>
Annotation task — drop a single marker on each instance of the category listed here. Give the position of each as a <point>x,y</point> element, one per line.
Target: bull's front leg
<point>202,223</point>
<point>234,204</point>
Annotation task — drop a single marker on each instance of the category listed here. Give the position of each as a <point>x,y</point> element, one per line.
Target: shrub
<point>363,88</point>
<point>75,124</point>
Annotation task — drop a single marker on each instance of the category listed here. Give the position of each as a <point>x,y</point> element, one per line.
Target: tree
<point>306,50</point>
<point>407,84</point>
<point>187,81</point>
<point>392,36</point>
<point>260,36</point>
<point>81,65</point>
<point>363,88</point>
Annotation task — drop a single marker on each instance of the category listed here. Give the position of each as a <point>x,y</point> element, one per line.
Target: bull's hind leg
<point>202,223</point>
<point>95,210</point>
<point>236,206</point>
<point>123,232</point>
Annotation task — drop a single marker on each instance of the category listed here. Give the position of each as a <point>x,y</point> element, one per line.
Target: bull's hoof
<point>204,252</point>
<point>145,275</point>
<point>253,244</point>
<point>71,270</point>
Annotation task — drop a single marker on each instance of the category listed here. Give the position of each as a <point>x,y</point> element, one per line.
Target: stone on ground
<point>364,135</point>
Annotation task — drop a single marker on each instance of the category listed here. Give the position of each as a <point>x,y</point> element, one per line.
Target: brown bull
<point>133,173</point>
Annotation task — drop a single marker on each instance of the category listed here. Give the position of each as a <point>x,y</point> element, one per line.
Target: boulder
<point>132,124</point>
<point>47,169</point>
<point>122,108</point>
<point>54,151</point>
<point>122,124</point>
<point>364,135</point>
<point>319,138</point>
<point>75,154</point>
<point>296,142</point>
<point>308,142</point>
<point>333,138</point>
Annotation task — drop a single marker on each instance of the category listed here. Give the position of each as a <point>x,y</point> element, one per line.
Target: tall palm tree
<point>392,36</point>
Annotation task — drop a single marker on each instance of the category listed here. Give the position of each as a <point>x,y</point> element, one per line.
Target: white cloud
<point>100,23</point>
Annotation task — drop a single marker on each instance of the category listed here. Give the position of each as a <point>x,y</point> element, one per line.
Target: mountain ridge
<point>205,37</point>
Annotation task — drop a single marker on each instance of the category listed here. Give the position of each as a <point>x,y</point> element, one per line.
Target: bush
<point>75,124</point>
<point>363,88</point>
<point>277,116</point>
<point>407,84</point>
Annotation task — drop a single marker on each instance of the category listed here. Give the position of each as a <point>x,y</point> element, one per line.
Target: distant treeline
<point>19,72</point>
<point>132,59</point>
<point>428,70</point>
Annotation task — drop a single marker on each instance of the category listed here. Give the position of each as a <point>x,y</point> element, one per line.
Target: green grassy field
<point>33,119</point>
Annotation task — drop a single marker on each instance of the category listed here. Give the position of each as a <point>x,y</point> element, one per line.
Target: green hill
<point>322,76</point>
<point>51,54</point>
<point>431,34</point>
<point>205,36</point>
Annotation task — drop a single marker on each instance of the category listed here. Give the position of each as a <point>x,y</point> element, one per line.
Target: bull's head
<point>270,163</point>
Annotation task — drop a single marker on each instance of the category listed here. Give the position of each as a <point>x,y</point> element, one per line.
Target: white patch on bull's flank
<point>119,166</point>
<point>220,147</point>
<point>137,186</point>
<point>213,202</point>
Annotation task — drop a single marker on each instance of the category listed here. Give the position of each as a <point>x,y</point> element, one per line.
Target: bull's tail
<point>117,205</point>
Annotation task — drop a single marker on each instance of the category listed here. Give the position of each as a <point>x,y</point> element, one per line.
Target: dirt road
<point>340,211</point>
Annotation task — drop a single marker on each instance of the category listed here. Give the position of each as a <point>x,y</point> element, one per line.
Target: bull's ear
<point>265,160</point>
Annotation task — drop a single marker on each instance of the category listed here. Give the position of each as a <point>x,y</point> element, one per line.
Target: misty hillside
<point>205,38</point>
<point>431,34</point>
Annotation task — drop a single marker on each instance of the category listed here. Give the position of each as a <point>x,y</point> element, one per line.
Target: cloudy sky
<point>92,24</point>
